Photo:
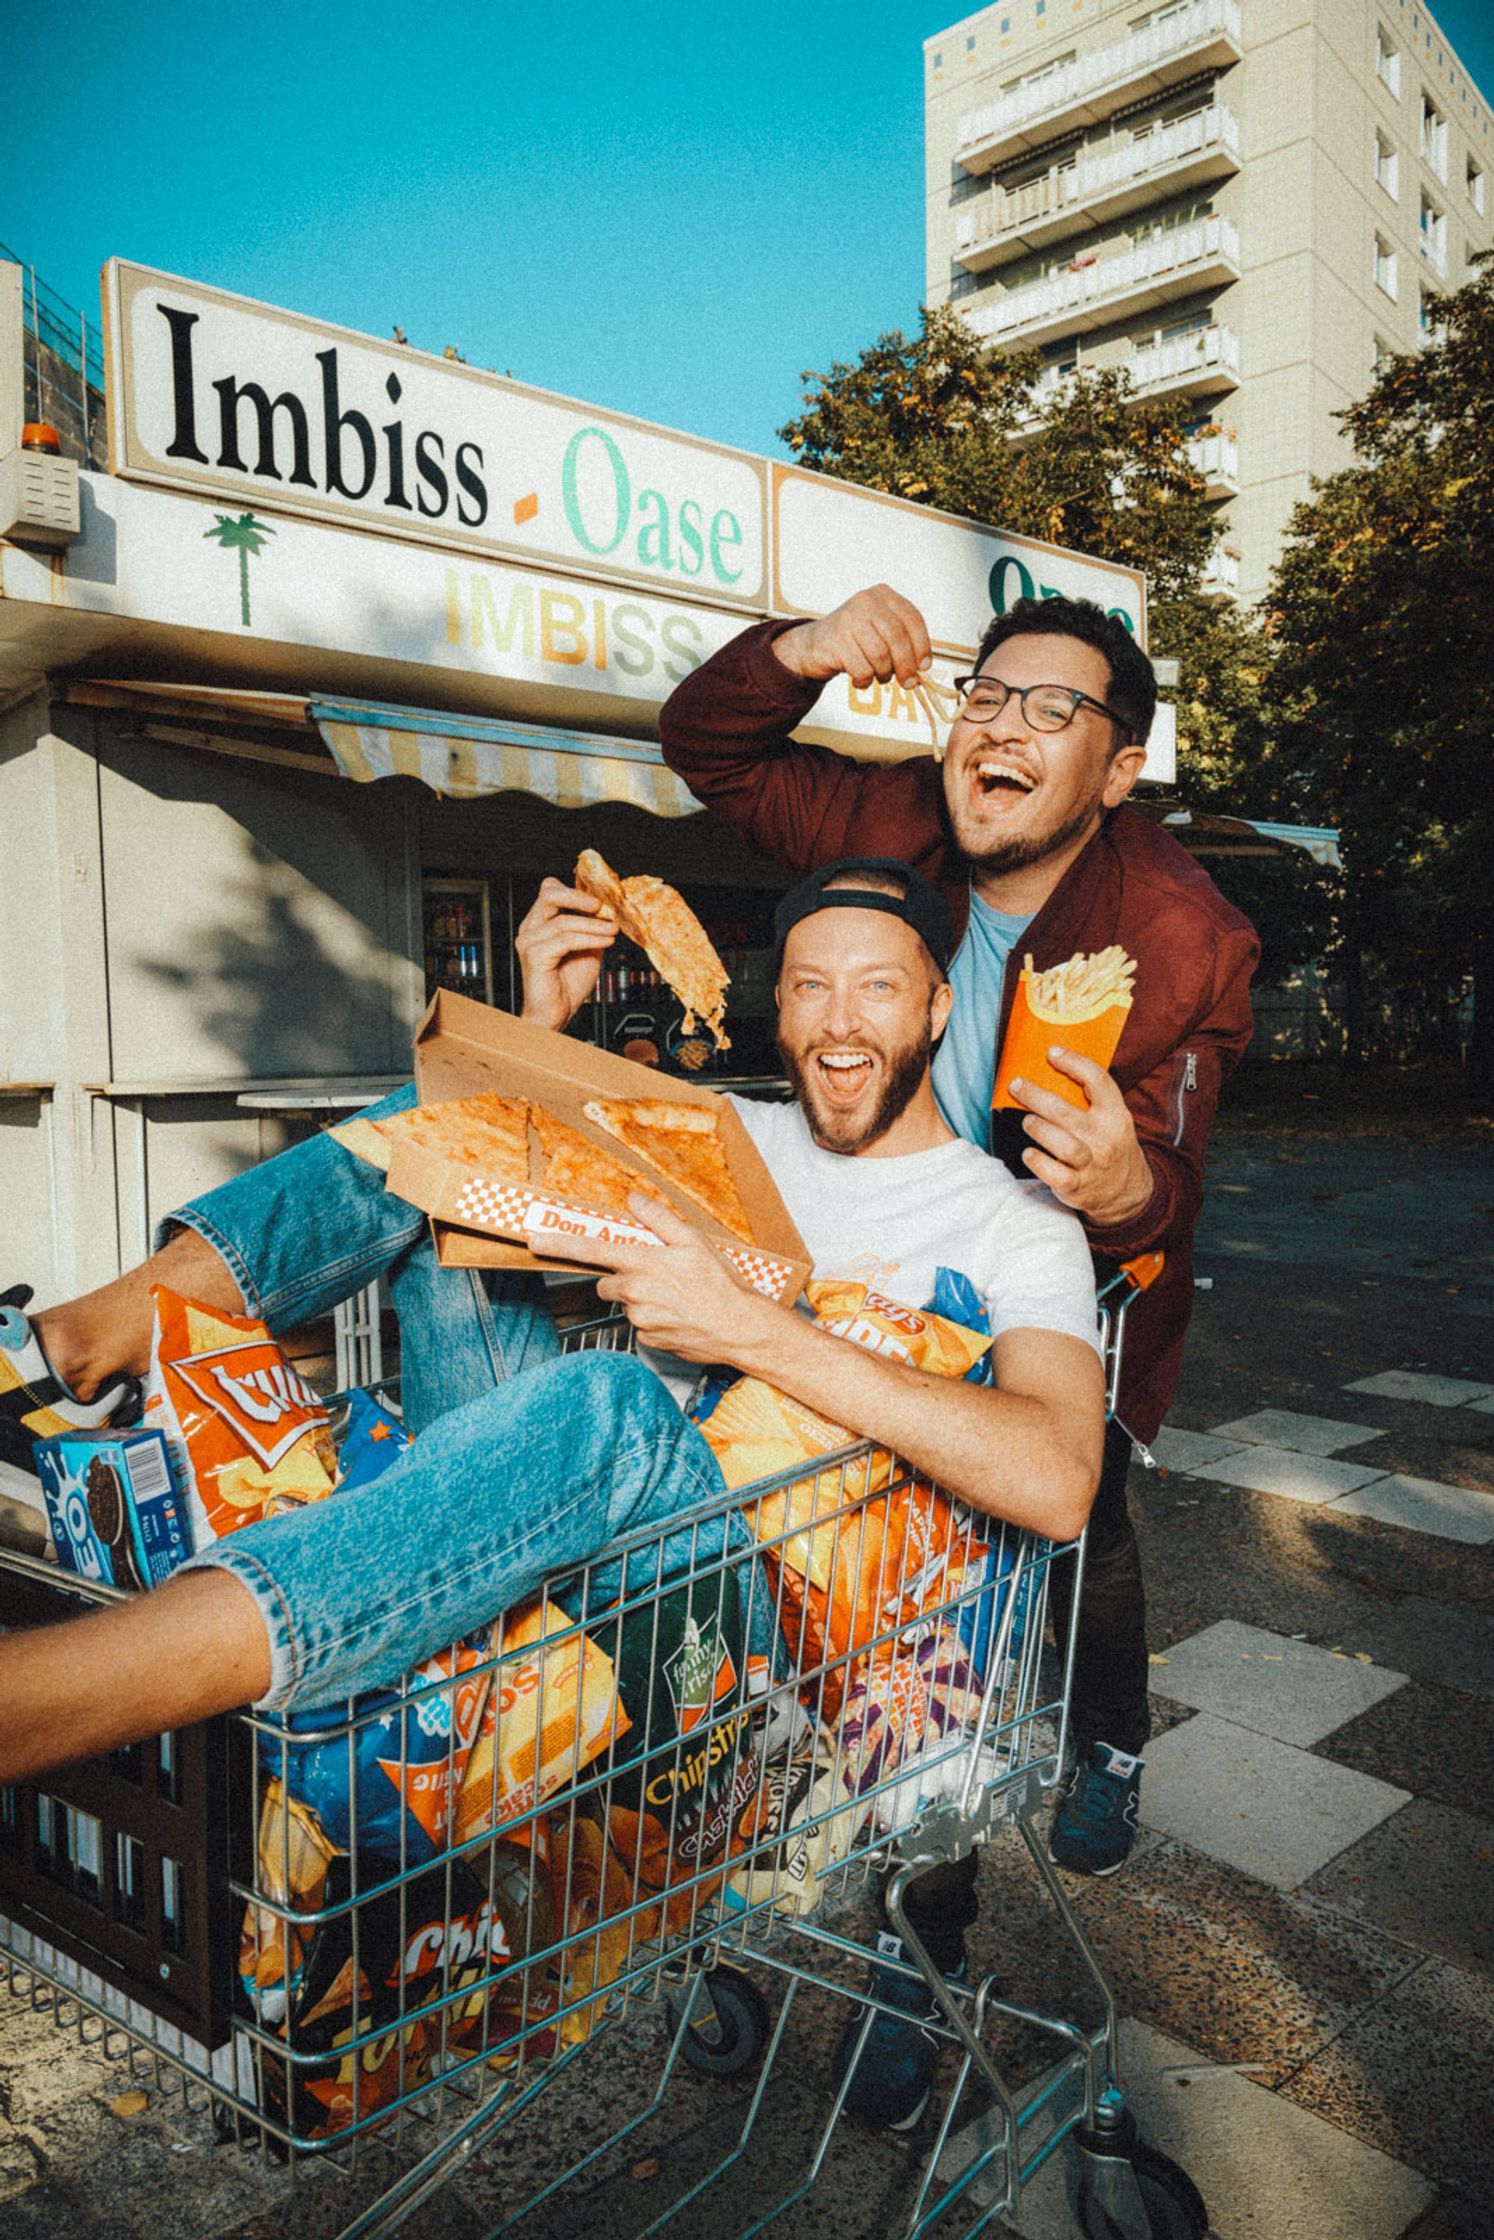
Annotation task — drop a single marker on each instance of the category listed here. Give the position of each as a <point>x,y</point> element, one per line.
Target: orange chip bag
<point>844,1571</point>
<point>250,1437</point>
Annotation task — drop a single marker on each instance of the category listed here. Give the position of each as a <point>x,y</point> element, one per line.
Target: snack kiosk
<point>304,693</point>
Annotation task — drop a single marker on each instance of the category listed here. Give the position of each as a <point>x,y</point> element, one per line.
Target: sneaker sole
<point>906,2123</point>
<point>1096,1874</point>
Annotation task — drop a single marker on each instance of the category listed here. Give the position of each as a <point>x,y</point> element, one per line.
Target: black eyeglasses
<point>1047,707</point>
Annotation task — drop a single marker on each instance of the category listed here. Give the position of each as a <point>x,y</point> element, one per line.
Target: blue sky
<point>671,210</point>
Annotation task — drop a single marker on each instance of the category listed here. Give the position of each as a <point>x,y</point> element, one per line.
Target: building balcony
<point>1221,574</point>
<point>1070,198</point>
<point>1195,35</point>
<point>1203,363</point>
<point>1172,262</point>
<point>1217,459</point>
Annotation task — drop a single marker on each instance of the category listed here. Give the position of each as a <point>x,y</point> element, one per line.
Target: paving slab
<point>1416,1384</point>
<point>1177,1449</point>
<point>1425,1505</point>
<point>1264,2173</point>
<point>1260,1805</point>
<point>1284,1427</point>
<point>1428,1639</point>
<point>1298,1477</point>
<point>1427,1876</point>
<point>1436,1742</point>
<point>1269,1682</point>
<point>1241,1970</point>
<point>1411,2076</point>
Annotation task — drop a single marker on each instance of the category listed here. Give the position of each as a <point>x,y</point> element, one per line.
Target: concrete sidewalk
<point>1302,1943</point>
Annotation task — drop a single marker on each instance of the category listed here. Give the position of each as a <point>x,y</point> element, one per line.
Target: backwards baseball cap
<point>919,905</point>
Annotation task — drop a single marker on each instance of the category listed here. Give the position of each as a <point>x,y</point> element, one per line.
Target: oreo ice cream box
<point>114,1505</point>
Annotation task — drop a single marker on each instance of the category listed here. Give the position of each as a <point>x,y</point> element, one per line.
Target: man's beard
<point>850,1131</point>
<point>1018,855</point>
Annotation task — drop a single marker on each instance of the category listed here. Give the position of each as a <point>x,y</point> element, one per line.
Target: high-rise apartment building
<point>1247,203</point>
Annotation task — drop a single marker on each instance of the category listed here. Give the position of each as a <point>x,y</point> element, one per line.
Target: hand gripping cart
<point>529,1900</point>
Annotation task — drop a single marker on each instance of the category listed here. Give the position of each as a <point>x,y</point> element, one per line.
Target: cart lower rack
<point>651,1818</point>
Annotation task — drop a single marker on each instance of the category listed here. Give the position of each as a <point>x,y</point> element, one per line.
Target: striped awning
<point>465,757</point>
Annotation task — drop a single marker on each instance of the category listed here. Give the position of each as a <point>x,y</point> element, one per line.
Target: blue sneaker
<point>894,2078</point>
<point>1095,1825</point>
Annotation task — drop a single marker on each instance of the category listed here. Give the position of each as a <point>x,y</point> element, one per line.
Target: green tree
<point>1379,611</point>
<point>246,536</point>
<point>934,418</point>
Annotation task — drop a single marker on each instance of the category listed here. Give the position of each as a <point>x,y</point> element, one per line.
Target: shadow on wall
<point>276,985</point>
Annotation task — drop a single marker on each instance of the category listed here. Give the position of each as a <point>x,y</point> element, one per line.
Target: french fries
<point>940,704</point>
<point>1081,987</point>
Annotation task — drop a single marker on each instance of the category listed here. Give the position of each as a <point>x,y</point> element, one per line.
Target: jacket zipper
<point>1187,1080</point>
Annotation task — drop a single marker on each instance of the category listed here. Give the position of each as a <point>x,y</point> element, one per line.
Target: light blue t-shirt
<point>965,1061</point>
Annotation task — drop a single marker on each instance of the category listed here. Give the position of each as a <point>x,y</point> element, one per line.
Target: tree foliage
<point>1379,611</point>
<point>942,419</point>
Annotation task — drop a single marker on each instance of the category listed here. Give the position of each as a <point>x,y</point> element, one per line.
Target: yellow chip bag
<point>850,1571</point>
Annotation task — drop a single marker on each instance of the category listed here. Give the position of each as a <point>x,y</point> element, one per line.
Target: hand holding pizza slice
<point>670,935</point>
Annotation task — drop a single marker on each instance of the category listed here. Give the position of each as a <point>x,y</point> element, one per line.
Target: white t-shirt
<point>893,1223</point>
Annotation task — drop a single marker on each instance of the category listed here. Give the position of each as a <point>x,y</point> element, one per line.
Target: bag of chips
<point>372,1438</point>
<point>407,1979</point>
<point>553,1708</point>
<point>461,1747</point>
<point>679,1783</point>
<point>846,1567</point>
<point>248,1435</point>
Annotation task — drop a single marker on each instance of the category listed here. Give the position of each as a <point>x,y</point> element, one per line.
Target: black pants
<point>1108,1703</point>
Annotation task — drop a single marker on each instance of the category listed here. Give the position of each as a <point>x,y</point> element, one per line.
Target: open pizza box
<point>467,1049</point>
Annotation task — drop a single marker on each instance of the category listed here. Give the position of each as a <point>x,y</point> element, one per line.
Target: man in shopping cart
<point>514,1478</point>
<point>1024,831</point>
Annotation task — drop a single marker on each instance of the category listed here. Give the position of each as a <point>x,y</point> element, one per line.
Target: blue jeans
<point>305,1231</point>
<point>511,1479</point>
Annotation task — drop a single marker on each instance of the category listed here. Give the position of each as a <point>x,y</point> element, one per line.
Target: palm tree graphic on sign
<point>244,536</point>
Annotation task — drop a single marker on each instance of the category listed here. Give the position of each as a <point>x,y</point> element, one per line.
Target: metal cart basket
<point>652,1820</point>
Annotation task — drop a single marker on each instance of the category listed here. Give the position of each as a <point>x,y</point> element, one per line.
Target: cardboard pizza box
<point>469,1049</point>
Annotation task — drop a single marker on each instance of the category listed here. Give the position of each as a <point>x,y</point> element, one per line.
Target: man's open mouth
<point>994,778</point>
<point>843,1074</point>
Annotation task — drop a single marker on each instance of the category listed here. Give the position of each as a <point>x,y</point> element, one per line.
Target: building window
<point>1381,354</point>
<point>1387,166</point>
<point>1433,136</point>
<point>1385,274</point>
<point>1387,63</point>
<point>1475,186</point>
<point>1433,233</point>
<point>1428,325</point>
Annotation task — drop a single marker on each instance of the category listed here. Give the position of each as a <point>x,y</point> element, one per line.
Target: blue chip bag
<point>372,1438</point>
<point>394,1774</point>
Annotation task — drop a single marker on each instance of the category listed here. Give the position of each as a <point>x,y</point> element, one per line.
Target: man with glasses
<point>1023,828</point>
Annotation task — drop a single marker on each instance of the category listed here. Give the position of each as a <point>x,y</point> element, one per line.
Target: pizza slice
<point>670,935</point>
<point>683,1143</point>
<point>576,1168</point>
<point>487,1135</point>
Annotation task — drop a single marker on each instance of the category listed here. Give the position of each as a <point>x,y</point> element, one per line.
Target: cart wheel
<point>730,2034</point>
<point>1170,2201</point>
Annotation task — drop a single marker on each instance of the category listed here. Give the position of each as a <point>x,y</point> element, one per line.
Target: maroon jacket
<point>725,732</point>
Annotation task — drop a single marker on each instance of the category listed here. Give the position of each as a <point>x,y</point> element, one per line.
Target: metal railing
<point>1072,186</point>
<point>64,365</point>
<point>1109,69</point>
<point>1174,357</point>
<point>1170,249</point>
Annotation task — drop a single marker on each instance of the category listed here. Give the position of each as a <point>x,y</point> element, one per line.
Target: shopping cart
<point>608,1823</point>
